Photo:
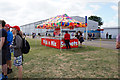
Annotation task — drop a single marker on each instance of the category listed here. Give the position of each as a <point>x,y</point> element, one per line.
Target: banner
<point>56,43</point>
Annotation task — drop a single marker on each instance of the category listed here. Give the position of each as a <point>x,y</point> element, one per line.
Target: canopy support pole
<point>40,35</point>
<point>86,33</point>
<point>45,39</point>
<point>60,37</point>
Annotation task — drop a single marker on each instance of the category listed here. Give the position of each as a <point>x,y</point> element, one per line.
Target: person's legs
<point>9,66</point>
<point>4,69</point>
<point>69,43</point>
<point>9,62</point>
<point>90,38</point>
<point>80,44</point>
<point>106,37</point>
<point>66,44</point>
<point>4,65</point>
<point>18,63</point>
<point>20,72</point>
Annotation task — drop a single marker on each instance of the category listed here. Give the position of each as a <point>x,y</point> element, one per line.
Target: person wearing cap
<point>3,49</point>
<point>17,45</point>
<point>9,42</point>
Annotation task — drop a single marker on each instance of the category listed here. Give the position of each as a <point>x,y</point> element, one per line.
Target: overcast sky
<point>20,12</point>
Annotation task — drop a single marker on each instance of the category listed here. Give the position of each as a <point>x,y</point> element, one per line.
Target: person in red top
<point>67,39</point>
<point>54,34</point>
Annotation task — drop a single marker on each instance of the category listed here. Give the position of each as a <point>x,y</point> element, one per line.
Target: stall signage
<point>56,43</point>
<point>52,43</point>
<point>75,43</point>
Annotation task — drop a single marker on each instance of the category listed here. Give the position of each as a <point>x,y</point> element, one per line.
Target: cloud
<point>114,7</point>
<point>114,20</point>
<point>20,12</point>
<point>112,23</point>
<point>95,7</point>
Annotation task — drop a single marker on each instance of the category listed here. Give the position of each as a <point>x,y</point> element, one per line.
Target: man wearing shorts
<point>3,48</point>
<point>9,42</point>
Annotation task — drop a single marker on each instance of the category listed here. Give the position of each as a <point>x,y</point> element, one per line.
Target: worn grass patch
<point>85,62</point>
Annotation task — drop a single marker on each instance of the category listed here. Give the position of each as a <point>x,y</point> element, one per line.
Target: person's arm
<point>2,40</point>
<point>117,45</point>
<point>17,41</point>
<point>9,38</point>
<point>64,36</point>
<point>79,36</point>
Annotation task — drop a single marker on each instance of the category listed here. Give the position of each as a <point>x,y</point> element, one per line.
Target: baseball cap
<point>16,27</point>
<point>8,26</point>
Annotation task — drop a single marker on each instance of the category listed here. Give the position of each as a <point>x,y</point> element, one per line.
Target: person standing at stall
<point>76,35</point>
<point>67,39</point>
<point>54,34</point>
<point>9,42</point>
<point>81,39</point>
<point>90,35</point>
<point>46,33</point>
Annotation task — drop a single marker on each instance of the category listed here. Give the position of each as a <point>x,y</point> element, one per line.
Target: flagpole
<point>86,27</point>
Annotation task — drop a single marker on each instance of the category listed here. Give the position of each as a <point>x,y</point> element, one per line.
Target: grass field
<point>85,62</point>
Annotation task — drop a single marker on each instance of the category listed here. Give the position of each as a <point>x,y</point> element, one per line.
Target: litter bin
<point>110,36</point>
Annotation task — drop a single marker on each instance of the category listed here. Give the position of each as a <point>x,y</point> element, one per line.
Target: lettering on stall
<point>62,44</point>
<point>71,43</point>
<point>45,41</point>
<point>52,43</point>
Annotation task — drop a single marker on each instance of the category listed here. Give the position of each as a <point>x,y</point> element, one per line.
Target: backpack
<point>25,46</point>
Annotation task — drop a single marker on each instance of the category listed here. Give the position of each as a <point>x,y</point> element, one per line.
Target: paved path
<point>105,44</point>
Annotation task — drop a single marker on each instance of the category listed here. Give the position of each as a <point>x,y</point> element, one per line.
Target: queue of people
<point>33,35</point>
<point>91,36</point>
<point>79,36</point>
<point>10,40</point>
